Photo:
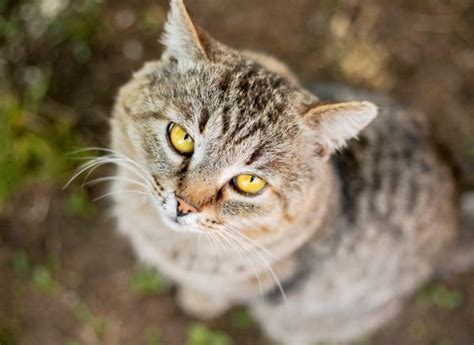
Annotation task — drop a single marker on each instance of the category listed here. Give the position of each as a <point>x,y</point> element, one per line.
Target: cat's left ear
<point>184,40</point>
<point>332,125</point>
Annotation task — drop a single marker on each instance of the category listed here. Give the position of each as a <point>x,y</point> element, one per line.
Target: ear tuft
<point>336,123</point>
<point>181,36</point>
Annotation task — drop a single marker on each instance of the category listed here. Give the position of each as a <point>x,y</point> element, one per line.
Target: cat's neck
<point>320,211</point>
<point>332,202</point>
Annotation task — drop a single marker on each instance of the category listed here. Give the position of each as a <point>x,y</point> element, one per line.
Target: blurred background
<point>66,277</point>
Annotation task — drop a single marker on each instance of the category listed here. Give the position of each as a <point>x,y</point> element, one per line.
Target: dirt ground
<point>66,277</point>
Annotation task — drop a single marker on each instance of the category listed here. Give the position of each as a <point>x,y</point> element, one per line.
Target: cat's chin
<point>175,225</point>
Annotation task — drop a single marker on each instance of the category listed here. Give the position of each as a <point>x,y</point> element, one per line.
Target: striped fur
<point>348,237</point>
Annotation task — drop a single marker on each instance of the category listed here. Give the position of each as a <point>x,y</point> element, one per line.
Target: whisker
<point>245,258</point>
<point>253,242</point>
<point>216,249</point>
<point>111,154</point>
<point>129,164</point>
<point>116,153</point>
<point>224,246</point>
<point>118,192</point>
<point>96,163</point>
<point>114,178</point>
<point>267,266</point>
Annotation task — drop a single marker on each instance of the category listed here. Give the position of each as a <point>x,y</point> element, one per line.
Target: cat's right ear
<point>332,125</point>
<point>184,40</point>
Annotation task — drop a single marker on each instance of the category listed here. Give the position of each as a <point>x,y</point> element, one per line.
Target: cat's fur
<point>349,237</point>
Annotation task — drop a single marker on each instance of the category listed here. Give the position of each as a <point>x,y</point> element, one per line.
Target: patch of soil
<point>420,52</point>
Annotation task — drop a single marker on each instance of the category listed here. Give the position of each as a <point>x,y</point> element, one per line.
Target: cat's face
<point>229,144</point>
<point>224,140</point>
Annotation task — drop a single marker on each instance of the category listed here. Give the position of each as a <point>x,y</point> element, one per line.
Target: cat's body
<point>348,238</point>
<point>397,211</point>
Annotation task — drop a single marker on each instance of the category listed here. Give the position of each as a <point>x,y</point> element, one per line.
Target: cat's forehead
<point>244,99</point>
<point>243,88</point>
<point>241,111</point>
<point>252,87</point>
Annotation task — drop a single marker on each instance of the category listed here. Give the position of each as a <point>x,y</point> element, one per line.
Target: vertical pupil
<point>186,137</point>
<point>252,179</point>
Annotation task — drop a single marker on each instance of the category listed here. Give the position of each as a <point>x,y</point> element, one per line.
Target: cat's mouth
<point>171,220</point>
<point>174,223</point>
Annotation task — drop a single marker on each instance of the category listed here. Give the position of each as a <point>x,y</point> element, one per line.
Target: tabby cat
<point>243,188</point>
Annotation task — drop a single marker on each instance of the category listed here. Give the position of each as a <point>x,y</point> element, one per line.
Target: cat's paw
<point>201,306</point>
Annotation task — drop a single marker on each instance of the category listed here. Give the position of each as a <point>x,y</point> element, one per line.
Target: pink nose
<point>184,208</point>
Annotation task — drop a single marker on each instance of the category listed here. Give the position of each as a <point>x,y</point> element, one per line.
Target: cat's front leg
<point>200,305</point>
<point>208,306</point>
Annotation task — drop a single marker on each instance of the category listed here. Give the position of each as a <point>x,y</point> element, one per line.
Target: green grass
<point>73,342</point>
<point>445,341</point>
<point>3,4</point>
<point>21,263</point>
<point>241,319</point>
<point>41,277</point>
<point>44,281</point>
<point>199,334</point>
<point>7,337</point>
<point>148,281</point>
<point>35,143</point>
<point>98,324</point>
<point>447,298</point>
<point>36,133</point>
<point>83,313</point>
<point>440,296</point>
<point>9,28</point>
<point>79,204</point>
<point>153,336</point>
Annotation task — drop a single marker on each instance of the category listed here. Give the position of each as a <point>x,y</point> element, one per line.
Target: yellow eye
<point>249,184</point>
<point>180,139</point>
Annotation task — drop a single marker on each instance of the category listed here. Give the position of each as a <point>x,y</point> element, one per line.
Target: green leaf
<point>21,263</point>
<point>199,334</point>
<point>440,296</point>
<point>242,319</point>
<point>446,298</point>
<point>43,280</point>
<point>78,204</point>
<point>38,142</point>
<point>148,281</point>
<point>83,313</point>
<point>3,4</point>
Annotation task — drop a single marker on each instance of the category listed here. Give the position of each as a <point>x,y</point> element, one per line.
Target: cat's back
<point>393,177</point>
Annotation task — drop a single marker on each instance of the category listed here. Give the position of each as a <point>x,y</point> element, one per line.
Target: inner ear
<point>333,125</point>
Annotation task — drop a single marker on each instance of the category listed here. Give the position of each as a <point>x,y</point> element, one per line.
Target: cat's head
<point>229,143</point>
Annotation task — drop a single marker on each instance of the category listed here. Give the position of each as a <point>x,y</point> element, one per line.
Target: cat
<point>243,188</point>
